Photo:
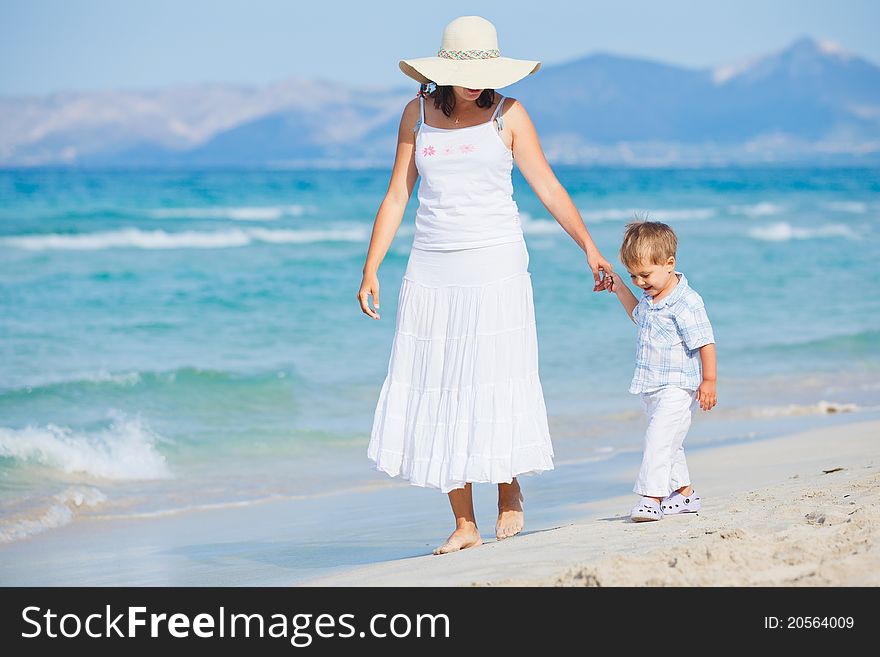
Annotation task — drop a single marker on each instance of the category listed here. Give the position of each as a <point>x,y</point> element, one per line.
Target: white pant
<point>664,468</point>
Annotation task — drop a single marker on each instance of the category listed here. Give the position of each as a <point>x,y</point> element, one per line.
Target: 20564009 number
<point>809,622</point>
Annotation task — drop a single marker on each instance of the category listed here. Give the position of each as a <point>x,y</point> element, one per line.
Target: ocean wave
<point>819,408</point>
<point>60,510</point>
<point>531,226</point>
<point>269,498</point>
<point>245,213</point>
<point>118,378</point>
<point>852,207</point>
<point>126,451</point>
<point>683,214</point>
<point>762,209</point>
<point>628,214</point>
<point>608,214</point>
<point>190,239</point>
<point>98,378</point>
<point>105,382</point>
<point>784,232</point>
<point>860,342</point>
<point>79,381</point>
<point>207,506</point>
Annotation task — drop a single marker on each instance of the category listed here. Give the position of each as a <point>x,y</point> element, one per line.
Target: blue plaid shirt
<point>671,333</point>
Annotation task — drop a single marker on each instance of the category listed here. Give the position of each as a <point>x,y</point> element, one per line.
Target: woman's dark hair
<point>444,97</point>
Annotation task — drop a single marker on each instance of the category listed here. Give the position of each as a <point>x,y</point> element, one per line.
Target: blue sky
<point>77,45</point>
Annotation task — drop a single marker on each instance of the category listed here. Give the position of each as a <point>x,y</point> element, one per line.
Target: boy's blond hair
<point>647,242</point>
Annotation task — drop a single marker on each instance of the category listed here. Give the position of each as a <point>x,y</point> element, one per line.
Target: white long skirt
<point>462,401</point>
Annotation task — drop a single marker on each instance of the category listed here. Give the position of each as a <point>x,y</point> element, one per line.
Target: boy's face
<point>652,278</point>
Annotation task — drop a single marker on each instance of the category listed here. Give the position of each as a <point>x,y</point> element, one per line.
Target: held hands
<point>599,264</point>
<point>612,282</point>
<point>706,395</point>
<point>369,287</point>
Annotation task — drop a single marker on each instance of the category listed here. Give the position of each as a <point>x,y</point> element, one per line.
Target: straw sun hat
<point>469,57</point>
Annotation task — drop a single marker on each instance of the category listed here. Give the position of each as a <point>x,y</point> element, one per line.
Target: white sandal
<point>646,509</point>
<point>678,503</point>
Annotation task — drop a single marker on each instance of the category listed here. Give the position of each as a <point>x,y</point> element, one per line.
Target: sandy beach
<point>771,515</point>
<point>802,509</point>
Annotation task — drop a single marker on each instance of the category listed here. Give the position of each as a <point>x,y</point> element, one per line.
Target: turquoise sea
<point>176,340</point>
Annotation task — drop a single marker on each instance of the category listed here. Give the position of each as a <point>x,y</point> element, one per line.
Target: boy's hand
<point>706,395</point>
<point>612,282</point>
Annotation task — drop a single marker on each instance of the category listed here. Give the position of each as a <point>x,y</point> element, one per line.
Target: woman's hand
<point>369,287</point>
<point>598,264</point>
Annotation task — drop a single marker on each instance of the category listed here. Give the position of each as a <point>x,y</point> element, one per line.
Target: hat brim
<point>491,73</point>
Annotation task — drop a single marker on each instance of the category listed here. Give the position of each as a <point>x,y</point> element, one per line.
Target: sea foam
<point>659,214</point>
<point>852,207</point>
<point>783,232</point>
<point>531,226</point>
<point>762,209</point>
<point>189,239</point>
<point>123,452</point>
<point>59,510</point>
<point>822,407</point>
<point>245,213</point>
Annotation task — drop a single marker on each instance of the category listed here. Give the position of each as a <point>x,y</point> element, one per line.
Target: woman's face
<point>464,94</point>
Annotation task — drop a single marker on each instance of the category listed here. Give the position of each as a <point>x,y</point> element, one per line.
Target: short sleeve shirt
<point>671,333</point>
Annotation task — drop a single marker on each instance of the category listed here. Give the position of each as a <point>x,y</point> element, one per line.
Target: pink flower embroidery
<point>467,148</point>
<point>428,150</point>
<point>449,150</point>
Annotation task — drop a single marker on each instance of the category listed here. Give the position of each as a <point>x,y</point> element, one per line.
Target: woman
<point>462,401</point>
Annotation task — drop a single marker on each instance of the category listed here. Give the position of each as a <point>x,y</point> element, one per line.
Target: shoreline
<point>771,516</point>
<point>83,501</point>
<point>334,539</point>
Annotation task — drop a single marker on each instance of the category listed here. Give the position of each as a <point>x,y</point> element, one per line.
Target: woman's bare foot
<point>466,535</point>
<point>510,510</point>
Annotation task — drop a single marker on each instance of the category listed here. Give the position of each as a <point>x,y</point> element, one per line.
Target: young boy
<point>675,365</point>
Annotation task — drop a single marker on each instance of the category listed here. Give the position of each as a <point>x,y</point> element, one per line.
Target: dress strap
<point>497,114</point>
<point>421,113</point>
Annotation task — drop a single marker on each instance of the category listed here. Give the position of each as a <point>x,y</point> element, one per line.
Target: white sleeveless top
<point>465,192</point>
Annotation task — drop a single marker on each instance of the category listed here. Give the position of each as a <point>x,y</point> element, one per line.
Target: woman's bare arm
<point>529,157</point>
<point>403,179</point>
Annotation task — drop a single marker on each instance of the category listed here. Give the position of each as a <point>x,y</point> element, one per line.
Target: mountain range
<point>811,102</point>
